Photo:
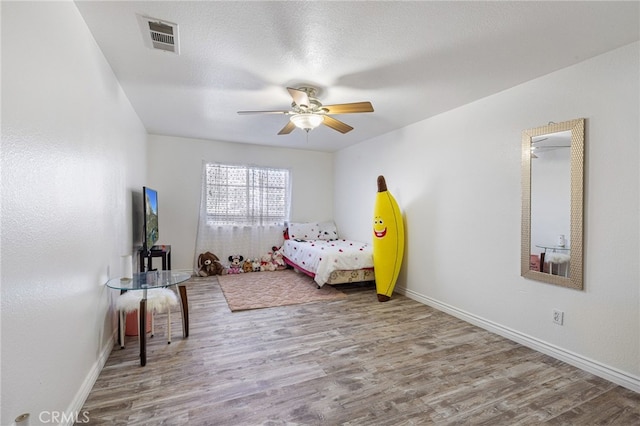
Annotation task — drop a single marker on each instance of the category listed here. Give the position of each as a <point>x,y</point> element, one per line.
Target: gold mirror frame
<point>575,279</point>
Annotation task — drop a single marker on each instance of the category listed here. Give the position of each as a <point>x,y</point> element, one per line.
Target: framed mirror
<point>552,203</point>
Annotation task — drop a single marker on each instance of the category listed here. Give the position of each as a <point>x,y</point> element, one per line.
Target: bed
<point>315,249</point>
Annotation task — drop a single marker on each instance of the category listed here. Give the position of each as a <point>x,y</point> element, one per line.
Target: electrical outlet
<point>558,317</point>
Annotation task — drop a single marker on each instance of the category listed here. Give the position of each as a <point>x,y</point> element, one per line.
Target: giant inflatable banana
<point>388,241</point>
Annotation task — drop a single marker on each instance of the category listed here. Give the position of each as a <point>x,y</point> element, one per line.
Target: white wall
<point>175,171</point>
<point>457,179</point>
<point>72,150</point>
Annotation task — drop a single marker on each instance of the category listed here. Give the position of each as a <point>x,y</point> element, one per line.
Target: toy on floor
<point>209,264</point>
<point>235,266</point>
<point>388,241</point>
<point>247,266</point>
<point>255,265</point>
<point>278,259</point>
<point>266,264</point>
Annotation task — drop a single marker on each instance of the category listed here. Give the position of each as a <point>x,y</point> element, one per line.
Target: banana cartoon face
<point>388,241</point>
<point>379,227</point>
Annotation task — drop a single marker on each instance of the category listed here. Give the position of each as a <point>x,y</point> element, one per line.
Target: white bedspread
<point>323,257</point>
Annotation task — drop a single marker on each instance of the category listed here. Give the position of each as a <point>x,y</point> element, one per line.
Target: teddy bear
<point>247,266</point>
<point>278,259</point>
<point>209,264</point>
<point>235,264</point>
<point>266,264</point>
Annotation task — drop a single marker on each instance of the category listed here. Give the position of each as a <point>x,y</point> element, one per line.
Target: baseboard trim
<point>601,370</point>
<point>83,393</point>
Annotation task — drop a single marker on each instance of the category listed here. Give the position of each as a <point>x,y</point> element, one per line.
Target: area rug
<point>256,290</point>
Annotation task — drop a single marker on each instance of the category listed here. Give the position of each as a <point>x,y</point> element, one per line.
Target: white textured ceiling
<point>412,60</point>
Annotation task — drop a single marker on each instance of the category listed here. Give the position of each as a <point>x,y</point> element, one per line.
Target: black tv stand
<point>162,251</point>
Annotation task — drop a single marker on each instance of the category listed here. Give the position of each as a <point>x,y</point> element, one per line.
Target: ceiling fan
<point>543,148</point>
<point>307,112</point>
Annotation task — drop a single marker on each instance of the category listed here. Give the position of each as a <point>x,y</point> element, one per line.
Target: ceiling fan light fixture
<point>307,112</point>
<point>307,121</point>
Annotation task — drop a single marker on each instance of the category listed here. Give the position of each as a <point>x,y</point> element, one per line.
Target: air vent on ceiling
<point>159,35</point>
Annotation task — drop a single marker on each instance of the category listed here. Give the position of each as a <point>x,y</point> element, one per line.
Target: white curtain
<point>249,241</point>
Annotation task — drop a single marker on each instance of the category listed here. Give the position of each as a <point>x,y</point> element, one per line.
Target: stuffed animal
<point>266,264</point>
<point>235,264</point>
<point>278,259</point>
<point>247,266</point>
<point>255,265</point>
<point>209,264</point>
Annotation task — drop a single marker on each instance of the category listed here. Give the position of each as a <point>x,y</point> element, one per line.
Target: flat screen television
<point>150,208</point>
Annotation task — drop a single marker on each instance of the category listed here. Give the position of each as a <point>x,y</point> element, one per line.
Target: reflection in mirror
<point>551,201</point>
<point>552,194</point>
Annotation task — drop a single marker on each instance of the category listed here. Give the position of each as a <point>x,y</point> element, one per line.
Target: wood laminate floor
<point>351,362</point>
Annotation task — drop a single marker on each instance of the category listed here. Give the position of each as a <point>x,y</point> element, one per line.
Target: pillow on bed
<point>328,231</point>
<point>304,231</point>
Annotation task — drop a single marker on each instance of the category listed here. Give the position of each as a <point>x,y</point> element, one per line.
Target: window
<point>247,195</point>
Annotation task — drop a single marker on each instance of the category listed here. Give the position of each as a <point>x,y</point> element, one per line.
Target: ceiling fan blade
<point>336,124</point>
<point>280,111</point>
<point>300,97</point>
<point>287,129</point>
<point>536,140</point>
<point>349,108</point>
